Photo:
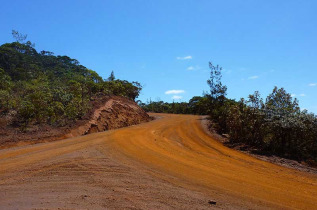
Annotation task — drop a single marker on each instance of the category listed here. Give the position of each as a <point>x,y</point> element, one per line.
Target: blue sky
<point>166,45</point>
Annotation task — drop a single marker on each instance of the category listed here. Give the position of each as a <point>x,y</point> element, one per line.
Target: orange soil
<point>175,161</point>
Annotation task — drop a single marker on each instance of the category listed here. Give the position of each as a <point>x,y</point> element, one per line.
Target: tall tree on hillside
<point>218,91</point>
<point>111,77</point>
<point>18,36</point>
<point>218,108</point>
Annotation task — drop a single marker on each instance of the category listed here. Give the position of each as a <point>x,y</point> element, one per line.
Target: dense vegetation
<point>274,126</point>
<point>196,105</point>
<point>39,87</point>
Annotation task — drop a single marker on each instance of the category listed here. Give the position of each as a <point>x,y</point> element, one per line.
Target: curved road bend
<point>168,163</point>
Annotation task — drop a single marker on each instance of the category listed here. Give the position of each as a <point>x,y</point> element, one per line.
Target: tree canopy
<point>40,87</point>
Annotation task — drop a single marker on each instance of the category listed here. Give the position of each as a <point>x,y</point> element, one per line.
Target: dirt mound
<point>117,112</point>
<point>108,112</point>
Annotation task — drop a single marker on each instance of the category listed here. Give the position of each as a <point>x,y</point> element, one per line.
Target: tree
<point>217,97</point>
<point>111,77</point>
<point>198,105</point>
<point>18,36</point>
<point>255,100</point>
<point>217,90</point>
<point>279,101</point>
<point>135,90</point>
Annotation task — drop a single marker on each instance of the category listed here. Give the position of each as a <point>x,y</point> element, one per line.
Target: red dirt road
<point>164,164</point>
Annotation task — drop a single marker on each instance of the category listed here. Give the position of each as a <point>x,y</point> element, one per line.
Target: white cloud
<point>175,97</point>
<point>302,95</point>
<point>192,68</point>
<point>253,77</point>
<point>174,92</point>
<point>312,84</point>
<point>185,57</point>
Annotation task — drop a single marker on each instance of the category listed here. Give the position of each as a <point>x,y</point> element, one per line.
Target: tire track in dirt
<point>167,163</point>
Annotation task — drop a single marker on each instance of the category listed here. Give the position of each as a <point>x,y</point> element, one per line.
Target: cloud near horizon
<point>302,95</point>
<point>312,84</point>
<point>184,58</point>
<point>192,68</point>
<point>176,97</point>
<point>253,77</point>
<point>168,92</point>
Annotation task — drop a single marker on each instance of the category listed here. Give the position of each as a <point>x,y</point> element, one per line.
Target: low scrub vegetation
<point>39,87</point>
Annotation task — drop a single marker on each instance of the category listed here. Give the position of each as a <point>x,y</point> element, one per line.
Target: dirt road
<point>164,164</point>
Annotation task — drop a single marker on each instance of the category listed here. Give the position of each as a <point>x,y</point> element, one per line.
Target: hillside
<point>45,97</point>
<point>40,88</point>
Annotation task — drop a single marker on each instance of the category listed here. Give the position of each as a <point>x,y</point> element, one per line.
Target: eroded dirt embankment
<point>108,113</point>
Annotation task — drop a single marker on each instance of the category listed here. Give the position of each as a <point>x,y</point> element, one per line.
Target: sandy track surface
<point>164,164</point>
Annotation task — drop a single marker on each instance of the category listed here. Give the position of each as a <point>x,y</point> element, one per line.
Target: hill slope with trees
<point>38,88</point>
